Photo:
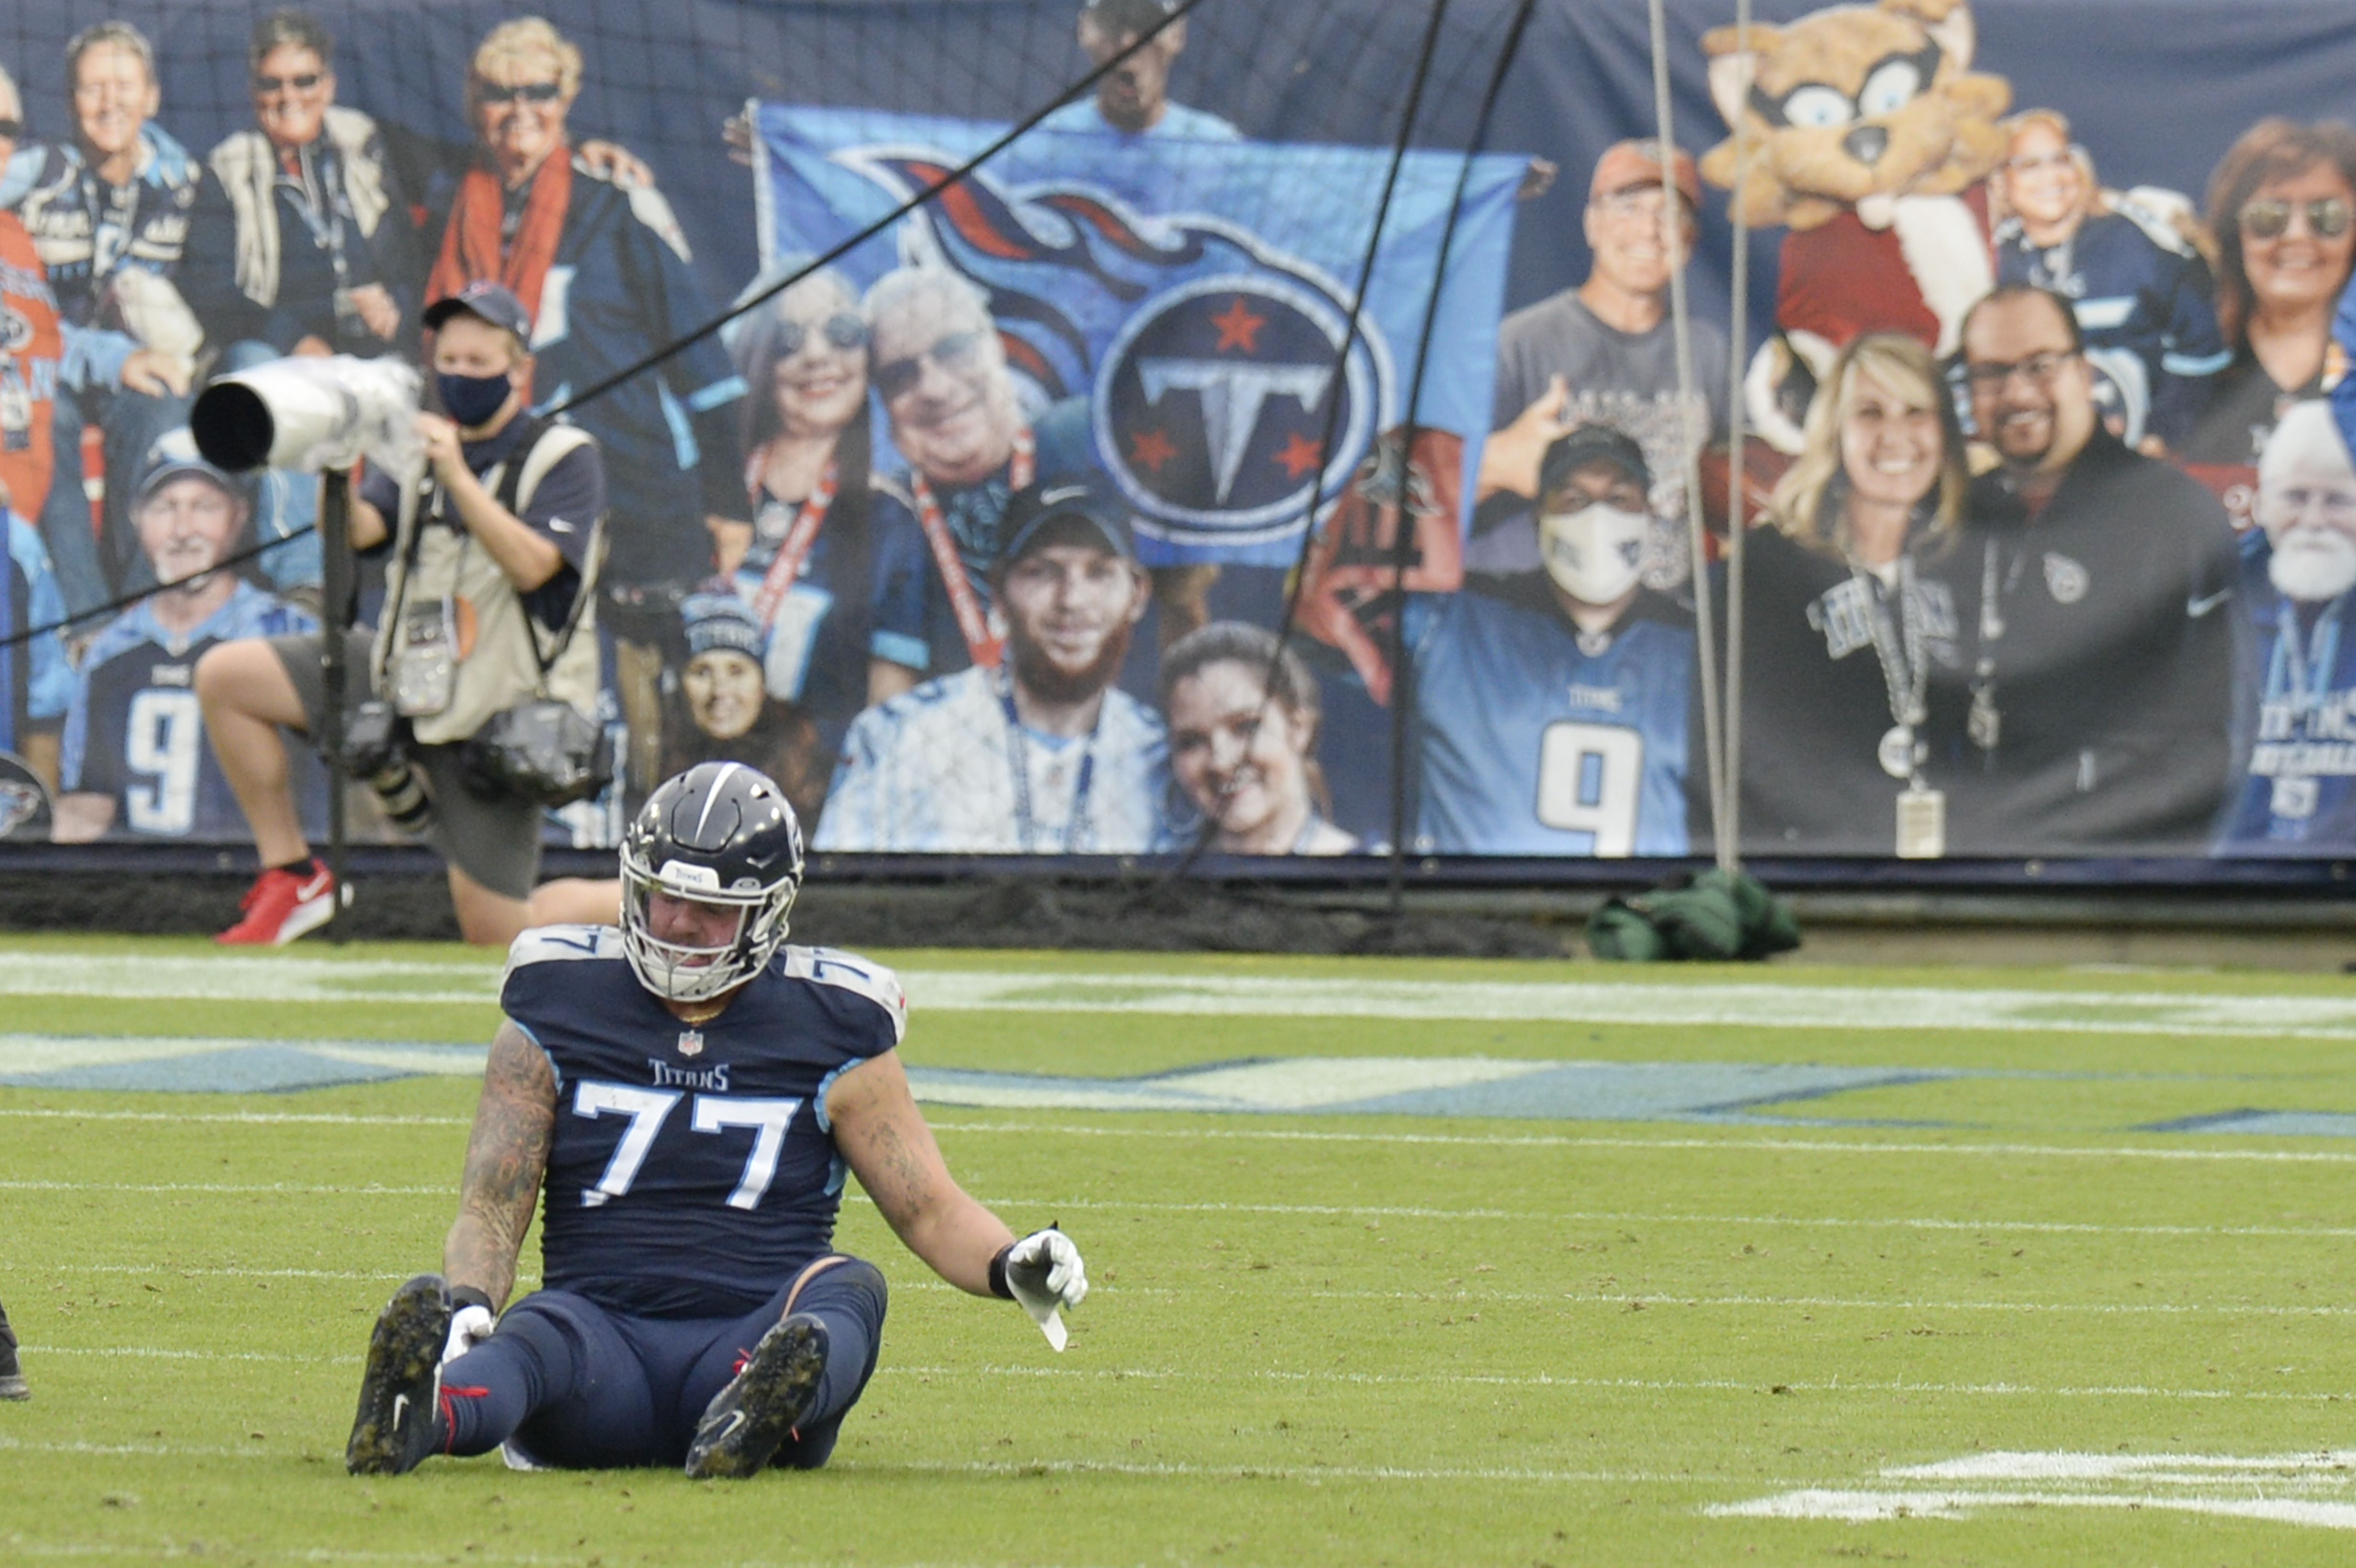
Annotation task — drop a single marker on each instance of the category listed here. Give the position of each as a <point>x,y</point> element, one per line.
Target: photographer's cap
<point>492,301</point>
<point>173,455</point>
<point>1574,450</point>
<point>1034,509</point>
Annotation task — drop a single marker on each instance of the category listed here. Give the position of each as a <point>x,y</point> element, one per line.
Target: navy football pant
<point>581,1388</point>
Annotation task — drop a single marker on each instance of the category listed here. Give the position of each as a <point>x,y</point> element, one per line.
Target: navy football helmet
<point>719,833</point>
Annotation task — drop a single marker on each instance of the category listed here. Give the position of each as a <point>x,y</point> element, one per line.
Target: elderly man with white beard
<point>2299,566</point>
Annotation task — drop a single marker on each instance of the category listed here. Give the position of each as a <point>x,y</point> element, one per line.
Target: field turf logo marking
<point>2318,1490</point>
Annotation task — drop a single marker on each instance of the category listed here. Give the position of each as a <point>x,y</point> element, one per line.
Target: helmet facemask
<point>681,971</point>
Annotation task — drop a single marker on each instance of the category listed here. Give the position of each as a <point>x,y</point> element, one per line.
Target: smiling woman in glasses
<point>2281,201</point>
<point>603,269</point>
<point>833,587</point>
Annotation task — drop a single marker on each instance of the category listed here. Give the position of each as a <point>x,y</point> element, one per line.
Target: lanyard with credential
<point>120,205</point>
<point>1018,756</point>
<point>786,569</point>
<point>317,206</point>
<point>2302,665</point>
<point>972,624</point>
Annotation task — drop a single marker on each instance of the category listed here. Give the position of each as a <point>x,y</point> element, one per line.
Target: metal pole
<point>1738,510</point>
<point>335,612</point>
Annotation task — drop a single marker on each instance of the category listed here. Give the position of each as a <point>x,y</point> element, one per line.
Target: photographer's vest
<point>500,647</point>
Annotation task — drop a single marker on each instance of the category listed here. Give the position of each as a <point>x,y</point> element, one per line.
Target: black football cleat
<point>12,1377</point>
<point>399,1418</point>
<point>747,1420</point>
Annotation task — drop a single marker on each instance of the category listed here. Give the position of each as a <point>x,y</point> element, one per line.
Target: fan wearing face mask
<point>1552,708</point>
<point>2299,566</point>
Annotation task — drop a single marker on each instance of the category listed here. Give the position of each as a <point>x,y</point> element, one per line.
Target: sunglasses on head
<point>2327,217</point>
<point>530,93</point>
<point>303,83</point>
<point>955,352</point>
<point>842,330</point>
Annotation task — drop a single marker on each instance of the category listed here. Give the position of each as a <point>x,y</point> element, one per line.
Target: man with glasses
<point>1604,353</point>
<point>606,278</point>
<point>2142,294</point>
<point>109,213</point>
<point>301,243</point>
<point>941,371</point>
<point>2095,588</point>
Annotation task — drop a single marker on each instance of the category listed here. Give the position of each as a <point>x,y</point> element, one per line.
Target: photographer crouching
<point>468,707</point>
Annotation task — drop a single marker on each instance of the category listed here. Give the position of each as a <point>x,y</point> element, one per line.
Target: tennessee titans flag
<point>1195,295</point>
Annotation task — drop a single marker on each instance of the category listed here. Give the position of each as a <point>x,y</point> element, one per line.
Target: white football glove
<point>469,1327</point>
<point>1044,1272</point>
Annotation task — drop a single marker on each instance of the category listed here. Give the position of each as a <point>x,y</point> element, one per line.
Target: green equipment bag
<point>1713,917</point>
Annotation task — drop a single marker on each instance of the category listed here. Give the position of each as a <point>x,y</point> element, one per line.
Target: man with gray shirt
<point>1605,353</point>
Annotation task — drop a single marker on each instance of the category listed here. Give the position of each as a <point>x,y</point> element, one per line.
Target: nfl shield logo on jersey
<point>691,1042</point>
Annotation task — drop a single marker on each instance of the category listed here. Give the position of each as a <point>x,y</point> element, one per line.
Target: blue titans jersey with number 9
<point>1529,744</point>
<point>692,1171</point>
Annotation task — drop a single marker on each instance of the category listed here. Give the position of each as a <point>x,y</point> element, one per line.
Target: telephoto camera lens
<point>400,791</point>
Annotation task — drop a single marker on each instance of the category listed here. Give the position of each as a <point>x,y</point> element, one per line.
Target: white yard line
<point>1535,1381</point>
<point>1645,1300</point>
<point>1685,1003</point>
<point>1354,1211</point>
<point>2312,1489</point>
<point>1736,1140</point>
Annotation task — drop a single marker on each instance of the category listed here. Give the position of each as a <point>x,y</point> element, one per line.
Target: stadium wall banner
<point>1284,443</point>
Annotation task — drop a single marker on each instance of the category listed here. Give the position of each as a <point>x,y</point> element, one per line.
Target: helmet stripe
<point>712,796</point>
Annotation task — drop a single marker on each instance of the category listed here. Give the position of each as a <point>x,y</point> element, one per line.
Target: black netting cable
<point>1403,689</point>
<point>1341,374</point>
<point>954,177</point>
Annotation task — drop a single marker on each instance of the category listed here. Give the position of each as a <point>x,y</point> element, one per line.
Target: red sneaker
<point>283,903</point>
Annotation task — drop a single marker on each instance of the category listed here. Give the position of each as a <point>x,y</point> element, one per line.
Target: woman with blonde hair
<point>1846,639</point>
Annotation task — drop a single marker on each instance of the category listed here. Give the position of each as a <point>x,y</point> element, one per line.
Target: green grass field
<point>1411,1263</point>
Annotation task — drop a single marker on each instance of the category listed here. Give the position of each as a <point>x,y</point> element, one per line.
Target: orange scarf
<point>470,242</point>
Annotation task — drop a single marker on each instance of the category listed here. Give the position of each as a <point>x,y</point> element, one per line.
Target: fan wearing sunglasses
<point>2281,202</point>
<point>300,243</point>
<point>941,369</point>
<point>2127,262</point>
<point>607,279</point>
<point>836,588</point>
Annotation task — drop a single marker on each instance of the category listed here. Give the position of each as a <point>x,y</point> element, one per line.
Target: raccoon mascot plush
<point>1869,138</point>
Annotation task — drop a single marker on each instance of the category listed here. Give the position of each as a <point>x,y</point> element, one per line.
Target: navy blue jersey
<point>1534,741</point>
<point>134,732</point>
<point>693,1170</point>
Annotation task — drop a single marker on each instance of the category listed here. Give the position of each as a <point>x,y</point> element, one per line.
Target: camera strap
<point>510,498</point>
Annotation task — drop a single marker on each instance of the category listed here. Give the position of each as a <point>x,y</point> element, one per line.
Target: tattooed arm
<point>506,1157</point>
<point>882,1136</point>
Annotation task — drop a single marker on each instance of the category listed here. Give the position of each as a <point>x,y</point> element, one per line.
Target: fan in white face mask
<point>2306,504</point>
<point>1593,516</point>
